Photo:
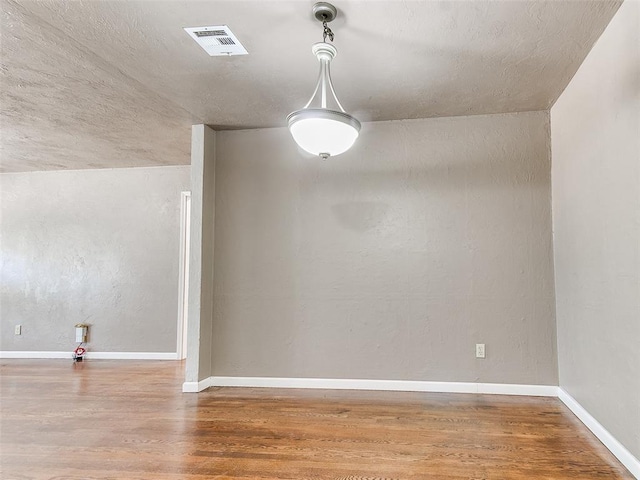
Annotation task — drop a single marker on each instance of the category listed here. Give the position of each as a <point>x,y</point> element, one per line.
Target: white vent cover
<point>217,40</point>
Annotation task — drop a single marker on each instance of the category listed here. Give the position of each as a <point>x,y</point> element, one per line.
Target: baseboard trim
<point>132,355</point>
<point>387,385</point>
<point>195,387</point>
<point>93,355</point>
<point>619,451</point>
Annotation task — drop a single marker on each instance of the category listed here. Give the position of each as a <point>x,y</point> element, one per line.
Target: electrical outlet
<point>18,330</point>
<point>480,350</point>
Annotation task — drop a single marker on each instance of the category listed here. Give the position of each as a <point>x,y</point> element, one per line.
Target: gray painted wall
<point>392,260</point>
<point>200,324</point>
<point>94,246</point>
<point>596,212</point>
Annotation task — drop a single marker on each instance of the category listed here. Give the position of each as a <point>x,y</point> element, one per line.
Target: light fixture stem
<point>324,86</point>
<point>333,92</point>
<point>315,92</point>
<point>323,68</point>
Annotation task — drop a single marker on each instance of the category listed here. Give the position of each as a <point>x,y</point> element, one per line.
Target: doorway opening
<point>183,293</point>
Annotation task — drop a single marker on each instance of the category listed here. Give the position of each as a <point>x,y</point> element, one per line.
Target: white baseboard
<point>132,355</point>
<point>388,385</point>
<point>12,354</point>
<point>93,355</point>
<point>609,441</point>
<point>195,387</point>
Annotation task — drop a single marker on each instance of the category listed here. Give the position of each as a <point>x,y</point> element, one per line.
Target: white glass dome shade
<point>321,130</point>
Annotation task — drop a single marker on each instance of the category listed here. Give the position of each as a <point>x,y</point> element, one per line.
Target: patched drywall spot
<point>361,216</point>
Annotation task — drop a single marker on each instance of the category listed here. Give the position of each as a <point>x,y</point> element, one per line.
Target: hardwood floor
<point>107,419</point>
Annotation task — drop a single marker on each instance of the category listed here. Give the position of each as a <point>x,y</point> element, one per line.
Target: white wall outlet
<point>480,350</point>
<point>18,330</point>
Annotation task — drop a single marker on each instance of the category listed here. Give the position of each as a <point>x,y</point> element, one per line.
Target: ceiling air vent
<point>216,41</point>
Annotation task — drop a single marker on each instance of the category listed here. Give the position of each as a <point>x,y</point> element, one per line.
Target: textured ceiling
<point>96,83</point>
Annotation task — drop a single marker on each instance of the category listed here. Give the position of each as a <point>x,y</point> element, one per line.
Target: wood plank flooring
<point>107,419</point>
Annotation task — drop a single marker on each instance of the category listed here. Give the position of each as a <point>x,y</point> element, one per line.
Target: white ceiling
<point>89,84</point>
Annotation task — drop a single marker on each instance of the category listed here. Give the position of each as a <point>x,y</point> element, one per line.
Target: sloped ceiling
<point>98,84</point>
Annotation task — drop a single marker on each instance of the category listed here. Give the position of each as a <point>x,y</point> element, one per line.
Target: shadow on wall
<point>479,175</point>
<point>360,216</point>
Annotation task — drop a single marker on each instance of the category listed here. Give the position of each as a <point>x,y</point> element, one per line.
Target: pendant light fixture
<point>322,127</point>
